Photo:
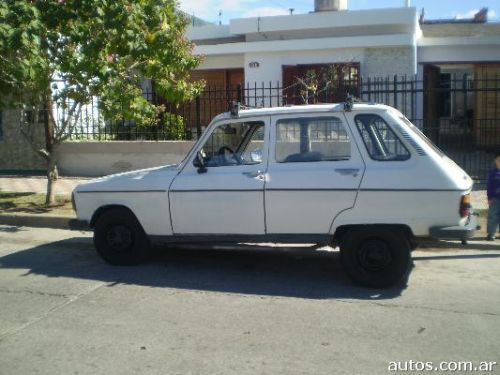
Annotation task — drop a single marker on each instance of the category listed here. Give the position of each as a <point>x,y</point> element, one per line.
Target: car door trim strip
<point>259,190</point>
<point>121,191</point>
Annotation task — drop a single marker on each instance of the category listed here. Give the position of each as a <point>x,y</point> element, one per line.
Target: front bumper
<point>456,232</point>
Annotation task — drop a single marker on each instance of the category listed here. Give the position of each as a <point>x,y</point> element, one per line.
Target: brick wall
<point>388,62</point>
<point>383,62</point>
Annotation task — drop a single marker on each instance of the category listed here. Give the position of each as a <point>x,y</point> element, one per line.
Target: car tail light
<point>465,206</point>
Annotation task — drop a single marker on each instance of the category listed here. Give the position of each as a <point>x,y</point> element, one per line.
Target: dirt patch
<point>31,203</point>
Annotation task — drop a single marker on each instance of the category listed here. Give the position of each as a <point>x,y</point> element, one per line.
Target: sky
<point>209,9</point>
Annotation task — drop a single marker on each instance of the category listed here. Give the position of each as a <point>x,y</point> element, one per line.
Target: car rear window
<point>312,140</point>
<point>380,140</point>
<point>422,136</point>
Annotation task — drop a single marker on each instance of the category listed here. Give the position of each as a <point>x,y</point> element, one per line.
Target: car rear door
<point>314,172</point>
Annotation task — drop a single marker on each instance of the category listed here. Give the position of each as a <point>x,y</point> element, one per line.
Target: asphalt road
<point>227,311</point>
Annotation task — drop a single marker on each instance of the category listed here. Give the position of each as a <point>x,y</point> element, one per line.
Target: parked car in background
<point>357,176</point>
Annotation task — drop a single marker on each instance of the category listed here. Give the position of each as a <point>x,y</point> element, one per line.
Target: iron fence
<point>460,114</point>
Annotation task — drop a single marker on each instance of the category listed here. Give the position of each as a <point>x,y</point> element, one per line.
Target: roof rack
<point>349,102</point>
<point>236,107</point>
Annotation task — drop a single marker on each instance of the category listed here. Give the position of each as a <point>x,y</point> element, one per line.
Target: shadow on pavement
<point>290,272</point>
<point>10,229</point>
<point>456,256</point>
<point>472,245</point>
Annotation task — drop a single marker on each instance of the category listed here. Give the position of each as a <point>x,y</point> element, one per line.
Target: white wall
<point>374,62</point>
<point>95,159</point>
<point>459,54</point>
<point>208,32</point>
<point>223,62</point>
<point>352,18</point>
<point>270,69</point>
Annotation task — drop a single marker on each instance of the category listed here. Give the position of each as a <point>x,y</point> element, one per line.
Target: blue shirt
<point>494,184</point>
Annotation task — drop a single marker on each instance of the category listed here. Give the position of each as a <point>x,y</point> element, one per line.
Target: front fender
<point>150,208</point>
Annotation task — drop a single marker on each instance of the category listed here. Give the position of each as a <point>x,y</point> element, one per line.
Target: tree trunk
<point>52,176</point>
<point>51,160</point>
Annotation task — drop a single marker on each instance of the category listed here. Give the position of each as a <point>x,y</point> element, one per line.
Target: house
<point>444,55</point>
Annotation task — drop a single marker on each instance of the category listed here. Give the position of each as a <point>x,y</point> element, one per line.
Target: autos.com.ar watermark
<point>451,366</point>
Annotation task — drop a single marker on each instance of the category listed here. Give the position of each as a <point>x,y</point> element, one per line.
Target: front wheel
<point>119,238</point>
<point>375,257</point>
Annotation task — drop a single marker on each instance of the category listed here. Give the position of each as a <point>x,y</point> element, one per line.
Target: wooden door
<point>487,105</point>
<point>431,101</point>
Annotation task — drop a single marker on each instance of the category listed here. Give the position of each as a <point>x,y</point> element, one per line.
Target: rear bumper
<point>456,232</point>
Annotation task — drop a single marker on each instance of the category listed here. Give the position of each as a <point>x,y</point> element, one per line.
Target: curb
<point>38,221</point>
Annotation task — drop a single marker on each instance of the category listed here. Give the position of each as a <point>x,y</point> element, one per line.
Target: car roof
<point>298,109</point>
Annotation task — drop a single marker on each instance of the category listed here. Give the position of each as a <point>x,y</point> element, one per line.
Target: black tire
<point>119,238</point>
<point>375,257</point>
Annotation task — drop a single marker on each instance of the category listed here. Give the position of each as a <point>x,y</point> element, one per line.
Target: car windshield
<point>421,135</point>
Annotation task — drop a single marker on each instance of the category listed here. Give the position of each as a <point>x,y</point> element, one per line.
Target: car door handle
<point>253,174</point>
<point>347,171</point>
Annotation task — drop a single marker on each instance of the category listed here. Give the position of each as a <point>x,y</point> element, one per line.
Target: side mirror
<point>199,162</point>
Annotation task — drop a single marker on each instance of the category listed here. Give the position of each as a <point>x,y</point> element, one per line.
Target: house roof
<point>436,30</point>
<point>316,25</point>
<point>479,17</point>
<point>196,21</point>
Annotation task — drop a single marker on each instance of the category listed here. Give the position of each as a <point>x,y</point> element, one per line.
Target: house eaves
<point>460,41</point>
<point>393,40</point>
<point>460,30</point>
<point>355,19</point>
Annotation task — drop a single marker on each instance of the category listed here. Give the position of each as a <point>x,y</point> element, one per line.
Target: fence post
<point>198,117</point>
<point>369,82</point>
<point>238,94</point>
<point>465,98</point>
<point>395,89</point>
<point>413,102</point>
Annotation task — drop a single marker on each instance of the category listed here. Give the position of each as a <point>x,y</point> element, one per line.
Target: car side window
<point>380,140</point>
<point>312,140</point>
<point>239,143</point>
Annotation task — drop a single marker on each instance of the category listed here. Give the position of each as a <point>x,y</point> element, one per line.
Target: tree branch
<point>72,127</point>
<point>60,133</point>
<point>40,151</point>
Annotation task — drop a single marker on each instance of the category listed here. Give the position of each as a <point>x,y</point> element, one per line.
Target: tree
<point>56,55</point>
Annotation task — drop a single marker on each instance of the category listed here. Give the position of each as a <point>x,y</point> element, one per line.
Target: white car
<point>357,176</point>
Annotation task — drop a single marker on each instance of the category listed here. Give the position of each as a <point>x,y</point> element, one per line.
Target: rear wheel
<point>375,257</point>
<point>119,238</point>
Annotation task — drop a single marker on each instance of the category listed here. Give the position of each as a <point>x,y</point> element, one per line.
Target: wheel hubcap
<point>374,255</point>
<point>119,238</point>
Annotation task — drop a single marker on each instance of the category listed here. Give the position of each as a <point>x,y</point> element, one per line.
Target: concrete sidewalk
<point>67,184</point>
<point>38,184</point>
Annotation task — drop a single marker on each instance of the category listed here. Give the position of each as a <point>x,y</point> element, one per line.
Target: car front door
<point>314,173</point>
<point>226,195</point>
